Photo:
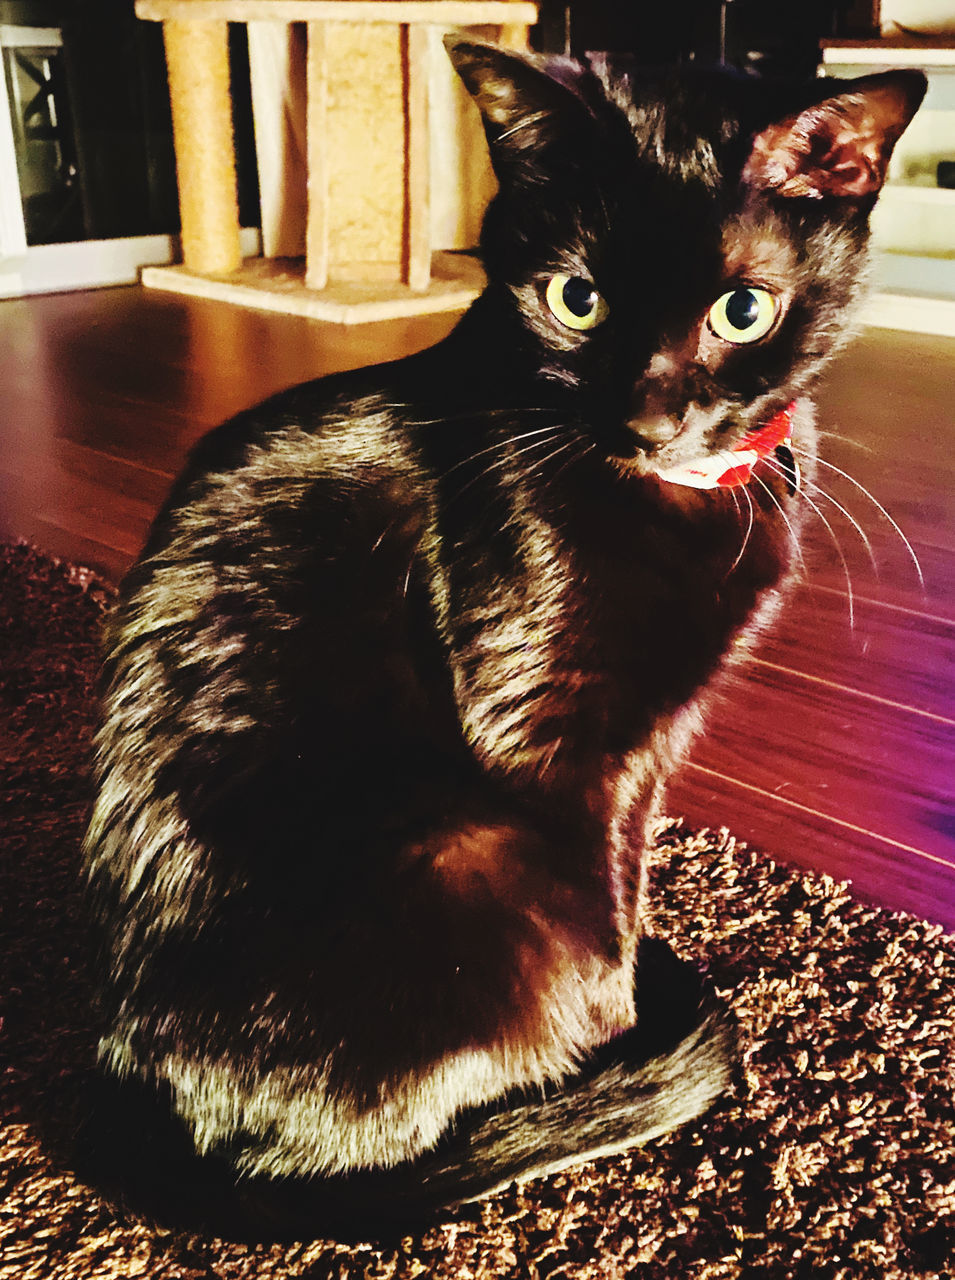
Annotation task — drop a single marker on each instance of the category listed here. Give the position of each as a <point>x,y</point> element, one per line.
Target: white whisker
<point>588,447</point>
<point>508,456</point>
<point>503,443</point>
<point>834,435</point>
<point>522,124</point>
<point>472,414</point>
<point>879,507</point>
<point>852,520</point>
<point>730,461</point>
<point>850,594</point>
<point>793,536</point>
<point>749,527</point>
<point>739,516</point>
<point>381,537</point>
<point>539,463</point>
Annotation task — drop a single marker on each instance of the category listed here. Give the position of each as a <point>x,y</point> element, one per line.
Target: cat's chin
<point>690,497</point>
<point>638,465</point>
<point>641,468</point>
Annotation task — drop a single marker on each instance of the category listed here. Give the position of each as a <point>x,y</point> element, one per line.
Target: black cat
<point>392,694</point>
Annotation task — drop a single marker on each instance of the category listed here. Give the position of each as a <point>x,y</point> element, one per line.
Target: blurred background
<point>89,107</point>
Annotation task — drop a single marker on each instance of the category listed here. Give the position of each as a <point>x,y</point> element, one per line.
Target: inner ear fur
<point>840,146</point>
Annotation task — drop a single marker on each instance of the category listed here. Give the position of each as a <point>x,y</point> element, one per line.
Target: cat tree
<point>368,252</point>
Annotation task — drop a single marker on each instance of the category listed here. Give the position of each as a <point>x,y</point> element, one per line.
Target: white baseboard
<point>90,264</point>
<point>914,312</point>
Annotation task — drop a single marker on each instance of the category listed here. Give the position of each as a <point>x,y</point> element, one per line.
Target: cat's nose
<point>652,431</point>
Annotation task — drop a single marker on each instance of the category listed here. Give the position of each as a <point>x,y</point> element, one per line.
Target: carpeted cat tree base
<point>834,1158</point>
<point>279,284</point>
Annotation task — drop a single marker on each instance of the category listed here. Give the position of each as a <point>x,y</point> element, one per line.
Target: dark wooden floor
<point>834,750</point>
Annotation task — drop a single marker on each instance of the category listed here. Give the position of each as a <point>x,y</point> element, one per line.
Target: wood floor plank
<point>893,429</point>
<point>143,378</point>
<point>880,872</point>
<point>206,359</point>
<point>871,766</point>
<point>107,561</point>
<point>92,509</point>
<point>144,485</point>
<point>904,658</point>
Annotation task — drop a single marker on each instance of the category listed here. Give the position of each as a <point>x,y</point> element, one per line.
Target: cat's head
<point>679,252</point>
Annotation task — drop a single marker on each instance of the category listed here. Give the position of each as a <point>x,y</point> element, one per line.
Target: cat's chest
<point>517,672</point>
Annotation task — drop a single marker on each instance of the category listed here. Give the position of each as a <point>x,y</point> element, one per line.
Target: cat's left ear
<point>841,146</point>
<point>530,107</point>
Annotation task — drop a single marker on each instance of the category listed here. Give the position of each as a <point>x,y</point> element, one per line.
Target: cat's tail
<point>622,1099</point>
<point>619,1107</point>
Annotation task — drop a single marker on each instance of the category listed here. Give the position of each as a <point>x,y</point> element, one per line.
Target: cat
<point>391,696</point>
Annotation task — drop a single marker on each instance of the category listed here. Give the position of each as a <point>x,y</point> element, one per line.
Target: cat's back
<point>280,514</point>
<point>334,437</point>
<point>273,593</point>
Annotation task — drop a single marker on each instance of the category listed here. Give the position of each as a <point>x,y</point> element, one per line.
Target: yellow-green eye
<point>743,315</point>
<point>575,302</point>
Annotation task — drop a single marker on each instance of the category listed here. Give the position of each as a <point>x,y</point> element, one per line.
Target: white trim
<point>911,311</point>
<point>89,264</point>
<point>13,234</point>
<point>918,274</point>
<point>51,268</point>
<point>879,55</point>
<point>917,193</point>
<point>16,37</point>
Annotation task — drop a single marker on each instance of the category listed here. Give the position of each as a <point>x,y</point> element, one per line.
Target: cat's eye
<point>743,315</point>
<point>575,302</point>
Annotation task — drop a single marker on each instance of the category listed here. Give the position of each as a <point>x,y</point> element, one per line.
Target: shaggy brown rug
<point>835,1157</point>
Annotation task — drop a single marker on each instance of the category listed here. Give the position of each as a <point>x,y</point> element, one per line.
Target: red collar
<point>711,470</point>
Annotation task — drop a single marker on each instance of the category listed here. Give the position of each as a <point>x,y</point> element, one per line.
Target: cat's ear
<point>528,111</point>
<point>841,146</point>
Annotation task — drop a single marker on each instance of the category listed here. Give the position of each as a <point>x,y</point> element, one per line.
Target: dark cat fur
<point>392,694</point>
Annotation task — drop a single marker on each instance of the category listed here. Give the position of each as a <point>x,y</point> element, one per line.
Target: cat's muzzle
<point>651,432</point>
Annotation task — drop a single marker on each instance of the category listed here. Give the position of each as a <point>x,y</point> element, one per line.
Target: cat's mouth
<point>731,468</point>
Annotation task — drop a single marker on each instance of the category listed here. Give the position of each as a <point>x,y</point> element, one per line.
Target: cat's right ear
<point>528,114</point>
<point>839,146</point>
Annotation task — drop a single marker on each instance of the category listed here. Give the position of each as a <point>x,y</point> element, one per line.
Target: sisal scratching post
<point>515,35</point>
<point>316,229</point>
<point>369,140</point>
<point>416,249</point>
<point>365,146</point>
<point>368,155</point>
<point>197,58</point>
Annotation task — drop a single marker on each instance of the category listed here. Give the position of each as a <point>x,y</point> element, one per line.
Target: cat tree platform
<point>368,253</point>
